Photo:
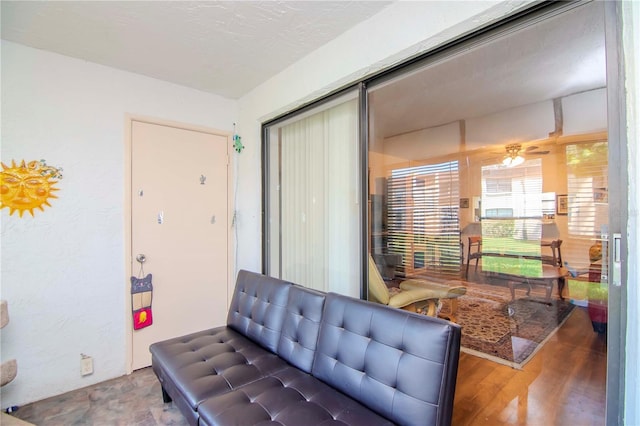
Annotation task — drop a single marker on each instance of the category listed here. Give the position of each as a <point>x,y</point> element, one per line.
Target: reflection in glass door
<point>488,175</point>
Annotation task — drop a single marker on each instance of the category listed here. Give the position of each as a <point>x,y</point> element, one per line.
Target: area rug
<point>505,331</point>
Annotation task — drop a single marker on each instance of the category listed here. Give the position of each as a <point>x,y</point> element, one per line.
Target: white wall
<point>63,269</point>
<point>577,118</point>
<point>426,143</point>
<point>521,124</point>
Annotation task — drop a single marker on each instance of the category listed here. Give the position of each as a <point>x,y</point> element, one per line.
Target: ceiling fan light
<point>512,161</point>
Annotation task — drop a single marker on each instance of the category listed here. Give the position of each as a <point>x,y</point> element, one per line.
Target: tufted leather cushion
<point>210,362</point>
<point>400,364</point>
<point>258,307</point>
<point>301,325</point>
<point>194,367</point>
<point>289,397</point>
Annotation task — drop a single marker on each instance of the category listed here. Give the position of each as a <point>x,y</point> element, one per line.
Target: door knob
<point>141,258</point>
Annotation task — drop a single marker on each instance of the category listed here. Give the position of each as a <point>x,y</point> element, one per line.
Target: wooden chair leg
<point>432,307</point>
<point>454,309</point>
<point>411,308</point>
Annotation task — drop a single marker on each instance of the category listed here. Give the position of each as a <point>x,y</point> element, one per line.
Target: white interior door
<point>179,221</point>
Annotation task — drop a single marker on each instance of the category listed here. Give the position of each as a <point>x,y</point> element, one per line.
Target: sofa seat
<point>211,362</point>
<point>289,397</point>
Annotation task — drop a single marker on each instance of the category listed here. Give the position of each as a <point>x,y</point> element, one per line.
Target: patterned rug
<point>495,328</point>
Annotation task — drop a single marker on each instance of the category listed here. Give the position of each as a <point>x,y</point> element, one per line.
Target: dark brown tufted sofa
<point>294,356</point>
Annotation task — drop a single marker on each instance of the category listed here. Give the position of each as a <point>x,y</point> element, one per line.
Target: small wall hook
<point>203,179</point>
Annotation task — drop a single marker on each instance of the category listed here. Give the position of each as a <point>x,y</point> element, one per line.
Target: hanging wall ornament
<point>237,141</point>
<point>141,298</point>
<point>28,186</point>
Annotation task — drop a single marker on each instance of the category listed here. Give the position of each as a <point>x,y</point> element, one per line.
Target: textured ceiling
<point>222,47</point>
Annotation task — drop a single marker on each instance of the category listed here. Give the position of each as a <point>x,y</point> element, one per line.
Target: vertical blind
<point>319,231</point>
<point>423,217</point>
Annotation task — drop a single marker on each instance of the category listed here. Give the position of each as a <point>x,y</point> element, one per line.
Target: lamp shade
<point>550,231</point>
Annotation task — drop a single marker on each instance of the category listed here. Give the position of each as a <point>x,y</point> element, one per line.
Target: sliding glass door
<point>488,169</point>
<point>482,169</point>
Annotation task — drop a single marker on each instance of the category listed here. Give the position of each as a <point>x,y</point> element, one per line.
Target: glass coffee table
<point>547,277</point>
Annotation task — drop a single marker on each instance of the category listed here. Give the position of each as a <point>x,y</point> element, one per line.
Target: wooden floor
<point>564,383</point>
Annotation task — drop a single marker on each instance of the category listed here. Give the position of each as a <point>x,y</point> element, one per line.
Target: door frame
<point>128,256</point>
<point>618,216</point>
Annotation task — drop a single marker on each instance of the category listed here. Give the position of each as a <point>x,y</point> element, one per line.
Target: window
<point>518,191</point>
<point>498,185</point>
<point>499,212</point>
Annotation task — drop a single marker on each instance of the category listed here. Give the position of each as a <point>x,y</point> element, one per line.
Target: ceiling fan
<point>514,154</point>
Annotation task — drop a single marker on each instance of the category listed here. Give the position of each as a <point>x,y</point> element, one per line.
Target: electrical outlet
<point>86,365</point>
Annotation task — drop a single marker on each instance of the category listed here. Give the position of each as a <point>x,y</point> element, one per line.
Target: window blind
<point>587,185</point>
<point>423,217</point>
<point>516,190</point>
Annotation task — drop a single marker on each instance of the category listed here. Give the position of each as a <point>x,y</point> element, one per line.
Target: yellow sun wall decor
<point>27,186</point>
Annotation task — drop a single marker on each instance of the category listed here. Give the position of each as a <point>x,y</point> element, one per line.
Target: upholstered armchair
<point>416,300</point>
<point>414,295</point>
